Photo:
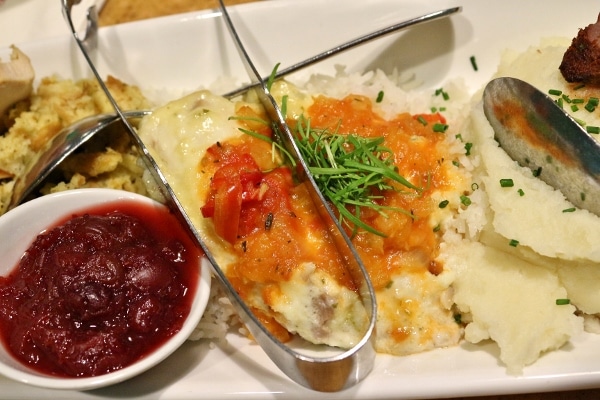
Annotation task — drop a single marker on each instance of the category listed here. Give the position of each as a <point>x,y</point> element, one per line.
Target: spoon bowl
<point>62,145</point>
<point>537,133</point>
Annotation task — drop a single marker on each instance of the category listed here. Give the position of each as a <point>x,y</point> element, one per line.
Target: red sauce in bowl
<point>99,290</point>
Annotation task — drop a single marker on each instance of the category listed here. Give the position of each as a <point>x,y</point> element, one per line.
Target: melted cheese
<point>312,297</point>
<point>291,274</point>
<point>403,266</point>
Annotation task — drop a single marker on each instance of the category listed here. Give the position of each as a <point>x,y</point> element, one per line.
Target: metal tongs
<point>329,373</point>
<point>354,364</point>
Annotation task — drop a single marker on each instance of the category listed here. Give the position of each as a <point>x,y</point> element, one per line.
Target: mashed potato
<point>520,252</point>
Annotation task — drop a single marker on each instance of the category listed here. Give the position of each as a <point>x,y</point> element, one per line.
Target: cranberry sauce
<point>99,291</point>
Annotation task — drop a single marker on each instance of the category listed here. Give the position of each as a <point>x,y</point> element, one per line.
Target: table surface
<point>119,11</point>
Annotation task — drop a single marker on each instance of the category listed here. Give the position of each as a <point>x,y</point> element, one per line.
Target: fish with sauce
<point>267,236</point>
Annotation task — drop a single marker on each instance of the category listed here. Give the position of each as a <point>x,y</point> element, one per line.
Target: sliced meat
<point>581,62</point>
<point>16,79</point>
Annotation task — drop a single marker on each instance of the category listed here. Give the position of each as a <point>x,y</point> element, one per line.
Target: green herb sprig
<point>351,171</point>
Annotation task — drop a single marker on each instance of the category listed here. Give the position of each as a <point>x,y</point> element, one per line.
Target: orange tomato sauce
<point>410,240</point>
<point>292,233</point>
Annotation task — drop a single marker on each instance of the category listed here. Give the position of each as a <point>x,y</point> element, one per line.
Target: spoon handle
<point>349,45</point>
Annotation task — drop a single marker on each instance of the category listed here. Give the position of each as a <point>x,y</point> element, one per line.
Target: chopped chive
<point>580,86</point>
<point>440,128</point>
<point>574,107</point>
<point>592,129</point>
<point>559,101</point>
<point>578,101</point>
<point>437,228</point>
<point>422,120</point>
<point>442,109</point>
<point>507,182</point>
<point>465,200</point>
<point>563,302</point>
<point>350,170</point>
<point>566,98</point>
<point>379,97</point>
<point>582,196</point>
<point>568,210</point>
<point>443,93</point>
<point>521,192</point>
<point>455,163</point>
<point>468,147</point>
<point>591,104</point>
<point>474,63</point>
<point>555,92</point>
<point>513,242</point>
<point>474,186</point>
<point>433,110</point>
<point>458,318</point>
<point>443,204</point>
<point>537,172</point>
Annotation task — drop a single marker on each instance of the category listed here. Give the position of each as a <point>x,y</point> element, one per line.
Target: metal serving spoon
<point>539,134</point>
<point>335,373</point>
<point>59,148</point>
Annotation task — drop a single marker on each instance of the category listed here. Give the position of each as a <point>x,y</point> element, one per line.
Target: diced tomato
<point>431,118</point>
<point>228,206</point>
<point>274,198</point>
<point>241,195</point>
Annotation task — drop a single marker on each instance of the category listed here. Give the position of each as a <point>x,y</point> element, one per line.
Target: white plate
<point>184,52</point>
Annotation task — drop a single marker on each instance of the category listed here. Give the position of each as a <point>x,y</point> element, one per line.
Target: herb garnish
<point>351,171</point>
<point>474,63</point>
<point>506,182</point>
<point>592,129</point>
